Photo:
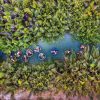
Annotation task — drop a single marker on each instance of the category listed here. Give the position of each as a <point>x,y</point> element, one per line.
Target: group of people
<point>41,55</point>
<point>30,52</point>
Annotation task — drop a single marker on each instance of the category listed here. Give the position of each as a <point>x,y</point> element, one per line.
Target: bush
<point>80,74</point>
<point>23,22</point>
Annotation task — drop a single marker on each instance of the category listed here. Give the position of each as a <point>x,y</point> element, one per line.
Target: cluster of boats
<point>29,53</point>
<point>42,56</point>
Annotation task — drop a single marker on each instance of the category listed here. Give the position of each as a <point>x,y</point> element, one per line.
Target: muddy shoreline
<point>48,95</point>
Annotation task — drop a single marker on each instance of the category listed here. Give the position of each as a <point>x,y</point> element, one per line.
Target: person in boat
<point>42,56</point>
<point>54,51</point>
<point>12,56</point>
<point>19,53</point>
<point>37,49</point>
<point>29,52</point>
<point>25,58</point>
<point>82,46</point>
<point>67,52</point>
<point>79,52</point>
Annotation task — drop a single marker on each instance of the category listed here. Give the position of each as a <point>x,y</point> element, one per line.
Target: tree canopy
<point>23,22</point>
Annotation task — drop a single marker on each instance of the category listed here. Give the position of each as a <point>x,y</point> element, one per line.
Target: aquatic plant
<point>23,22</point>
<point>79,73</point>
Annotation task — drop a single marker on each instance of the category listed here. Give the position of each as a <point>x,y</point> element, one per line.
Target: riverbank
<point>48,95</point>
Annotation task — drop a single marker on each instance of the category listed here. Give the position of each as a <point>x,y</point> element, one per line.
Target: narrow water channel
<point>61,45</point>
<point>48,50</point>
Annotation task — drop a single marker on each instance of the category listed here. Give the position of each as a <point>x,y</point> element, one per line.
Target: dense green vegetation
<point>23,22</point>
<point>78,73</point>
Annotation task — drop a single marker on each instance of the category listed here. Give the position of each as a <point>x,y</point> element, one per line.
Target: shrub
<point>23,22</point>
<point>80,74</point>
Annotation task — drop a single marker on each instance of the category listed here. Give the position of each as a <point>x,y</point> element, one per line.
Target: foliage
<point>80,73</point>
<point>23,22</point>
<point>83,20</point>
<point>32,77</point>
<point>76,74</point>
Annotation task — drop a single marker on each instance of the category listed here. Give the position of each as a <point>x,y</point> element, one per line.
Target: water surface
<point>66,43</point>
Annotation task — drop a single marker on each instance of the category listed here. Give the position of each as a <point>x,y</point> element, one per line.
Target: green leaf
<point>1,74</point>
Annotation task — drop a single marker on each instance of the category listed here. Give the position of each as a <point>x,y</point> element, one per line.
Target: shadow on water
<point>3,56</point>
